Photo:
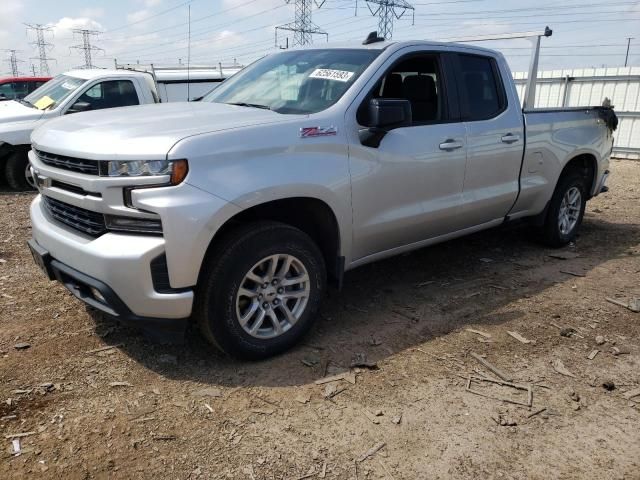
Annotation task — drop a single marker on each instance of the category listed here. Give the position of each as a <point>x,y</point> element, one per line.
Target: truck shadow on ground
<point>396,304</point>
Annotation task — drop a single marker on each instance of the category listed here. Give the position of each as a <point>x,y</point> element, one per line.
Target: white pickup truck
<point>92,89</point>
<point>234,211</point>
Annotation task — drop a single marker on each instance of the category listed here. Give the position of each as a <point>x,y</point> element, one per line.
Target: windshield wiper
<point>26,102</point>
<point>254,105</point>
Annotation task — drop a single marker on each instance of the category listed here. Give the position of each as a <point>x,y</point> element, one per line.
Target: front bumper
<point>101,297</point>
<point>119,264</point>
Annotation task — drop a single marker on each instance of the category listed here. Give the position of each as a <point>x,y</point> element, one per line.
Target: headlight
<point>177,169</point>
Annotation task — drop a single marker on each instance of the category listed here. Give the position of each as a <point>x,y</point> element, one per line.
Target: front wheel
<point>17,172</point>
<point>566,210</point>
<point>258,295</point>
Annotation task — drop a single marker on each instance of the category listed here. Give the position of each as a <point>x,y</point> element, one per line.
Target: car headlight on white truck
<point>176,169</point>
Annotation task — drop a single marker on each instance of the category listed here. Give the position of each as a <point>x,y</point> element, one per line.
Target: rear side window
<point>13,90</point>
<point>481,91</point>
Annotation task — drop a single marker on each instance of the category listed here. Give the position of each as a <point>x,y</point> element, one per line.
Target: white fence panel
<point>588,87</point>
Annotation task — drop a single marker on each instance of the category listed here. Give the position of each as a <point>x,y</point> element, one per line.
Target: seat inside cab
<point>417,80</point>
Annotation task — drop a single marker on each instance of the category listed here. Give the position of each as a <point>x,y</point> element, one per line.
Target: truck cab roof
<point>384,44</point>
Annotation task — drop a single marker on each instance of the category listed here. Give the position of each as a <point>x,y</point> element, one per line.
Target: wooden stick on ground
<point>495,370</point>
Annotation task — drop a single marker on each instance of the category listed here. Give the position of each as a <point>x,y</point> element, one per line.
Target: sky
<point>586,33</point>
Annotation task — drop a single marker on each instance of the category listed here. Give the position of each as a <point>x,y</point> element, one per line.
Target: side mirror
<point>79,107</point>
<point>384,114</point>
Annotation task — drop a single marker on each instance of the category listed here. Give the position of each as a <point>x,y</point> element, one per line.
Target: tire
<point>16,165</point>
<point>248,253</point>
<point>553,233</point>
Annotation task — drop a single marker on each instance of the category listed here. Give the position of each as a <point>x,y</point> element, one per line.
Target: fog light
<point>97,295</point>
<point>133,224</point>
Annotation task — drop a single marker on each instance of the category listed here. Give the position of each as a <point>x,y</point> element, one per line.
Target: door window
<point>13,90</point>
<point>114,93</point>
<point>480,88</point>
<point>6,91</point>
<point>418,80</point>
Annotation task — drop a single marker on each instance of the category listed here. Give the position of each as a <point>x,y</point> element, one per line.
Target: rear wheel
<point>17,171</point>
<point>258,296</point>
<point>566,210</point>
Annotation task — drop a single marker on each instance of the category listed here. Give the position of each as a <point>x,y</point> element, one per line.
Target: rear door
<point>409,188</point>
<point>494,138</point>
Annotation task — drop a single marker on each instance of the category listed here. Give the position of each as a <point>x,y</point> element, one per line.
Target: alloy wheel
<point>569,212</point>
<point>273,295</point>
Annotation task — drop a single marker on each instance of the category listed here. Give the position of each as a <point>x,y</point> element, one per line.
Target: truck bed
<point>553,135</point>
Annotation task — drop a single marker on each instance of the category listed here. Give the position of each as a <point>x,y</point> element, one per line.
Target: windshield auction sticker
<point>44,103</point>
<point>327,74</point>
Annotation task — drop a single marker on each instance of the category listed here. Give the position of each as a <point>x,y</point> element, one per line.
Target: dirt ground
<point>143,410</point>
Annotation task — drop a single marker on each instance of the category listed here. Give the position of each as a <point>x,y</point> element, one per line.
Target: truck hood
<point>140,132</point>
<point>12,111</point>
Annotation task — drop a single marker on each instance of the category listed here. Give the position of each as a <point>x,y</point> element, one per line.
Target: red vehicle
<point>12,88</point>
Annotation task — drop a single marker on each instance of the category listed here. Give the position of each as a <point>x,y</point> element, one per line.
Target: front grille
<point>85,221</point>
<point>90,167</point>
<point>73,188</point>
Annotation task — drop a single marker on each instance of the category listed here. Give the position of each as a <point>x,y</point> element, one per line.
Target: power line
<point>387,11</point>
<point>526,9</point>
<point>13,61</point>
<point>201,33</point>
<point>302,27</point>
<point>178,25</point>
<point>42,45</point>
<point>448,16</point>
<point>534,15</point>
<point>146,19</point>
<point>86,46</point>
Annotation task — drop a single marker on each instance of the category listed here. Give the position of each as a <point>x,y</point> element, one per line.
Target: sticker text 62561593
<point>328,74</point>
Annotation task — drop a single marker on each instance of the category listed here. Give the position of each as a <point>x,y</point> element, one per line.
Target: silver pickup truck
<point>235,211</point>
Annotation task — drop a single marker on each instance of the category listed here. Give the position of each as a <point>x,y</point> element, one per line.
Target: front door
<point>409,188</point>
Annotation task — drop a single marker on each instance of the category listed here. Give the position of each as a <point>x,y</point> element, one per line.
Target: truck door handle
<point>510,138</point>
<point>450,144</point>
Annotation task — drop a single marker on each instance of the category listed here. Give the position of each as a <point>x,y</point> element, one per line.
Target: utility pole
<point>33,70</point>
<point>13,61</point>
<point>42,45</point>
<point>86,46</point>
<point>626,58</point>
<point>388,11</point>
<point>302,27</point>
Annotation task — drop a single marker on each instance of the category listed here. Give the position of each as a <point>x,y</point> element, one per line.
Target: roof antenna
<point>189,55</point>
<point>372,38</point>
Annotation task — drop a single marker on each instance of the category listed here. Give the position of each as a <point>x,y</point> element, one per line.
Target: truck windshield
<point>53,92</point>
<point>298,82</point>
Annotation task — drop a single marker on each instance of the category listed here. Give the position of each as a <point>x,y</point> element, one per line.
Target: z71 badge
<point>306,132</point>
